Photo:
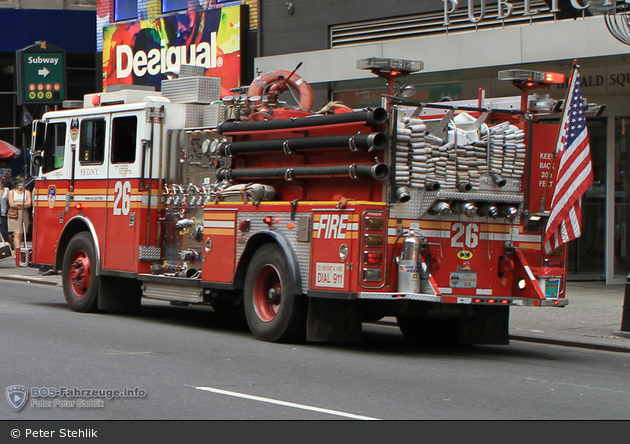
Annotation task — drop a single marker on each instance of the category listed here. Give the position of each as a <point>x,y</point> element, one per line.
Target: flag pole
<point>555,149</point>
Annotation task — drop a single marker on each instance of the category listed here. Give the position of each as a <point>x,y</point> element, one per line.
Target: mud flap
<point>116,294</point>
<point>483,324</point>
<point>333,320</point>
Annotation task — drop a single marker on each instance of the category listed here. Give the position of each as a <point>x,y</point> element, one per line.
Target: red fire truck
<point>308,223</point>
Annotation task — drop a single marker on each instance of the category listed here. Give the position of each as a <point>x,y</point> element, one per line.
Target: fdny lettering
<point>89,171</point>
<point>332,226</point>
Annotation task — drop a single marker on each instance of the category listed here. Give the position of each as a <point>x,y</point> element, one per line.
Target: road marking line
<point>120,352</point>
<point>287,404</point>
<point>576,385</point>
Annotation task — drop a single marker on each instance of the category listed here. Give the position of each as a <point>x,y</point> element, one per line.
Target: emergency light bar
<point>393,66</point>
<point>531,77</point>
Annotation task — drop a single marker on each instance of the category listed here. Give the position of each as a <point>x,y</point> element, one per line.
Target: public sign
<point>41,74</point>
<point>142,52</point>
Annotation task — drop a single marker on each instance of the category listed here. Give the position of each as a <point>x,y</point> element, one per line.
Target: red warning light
<point>554,77</point>
<point>268,220</point>
<point>96,99</point>
<point>244,225</point>
<point>79,206</point>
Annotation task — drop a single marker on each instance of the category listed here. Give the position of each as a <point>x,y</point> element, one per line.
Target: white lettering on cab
<point>332,226</point>
<point>329,275</point>
<point>89,172</point>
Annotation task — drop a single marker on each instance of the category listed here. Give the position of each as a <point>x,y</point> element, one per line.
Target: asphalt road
<point>193,365</point>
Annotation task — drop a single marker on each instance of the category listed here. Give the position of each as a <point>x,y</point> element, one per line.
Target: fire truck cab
<point>307,223</point>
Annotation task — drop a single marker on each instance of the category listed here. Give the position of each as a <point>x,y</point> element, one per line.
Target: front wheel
<point>272,313</point>
<point>79,279</point>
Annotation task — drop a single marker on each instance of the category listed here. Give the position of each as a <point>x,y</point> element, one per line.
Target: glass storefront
<point>587,253</point>
<point>622,196</point>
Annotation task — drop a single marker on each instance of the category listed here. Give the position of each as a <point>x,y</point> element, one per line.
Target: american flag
<point>575,172</point>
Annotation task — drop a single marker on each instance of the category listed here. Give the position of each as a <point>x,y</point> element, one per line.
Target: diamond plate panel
<point>202,90</point>
<point>400,296</point>
<point>302,250</point>
<point>191,71</point>
<point>487,184</point>
<point>149,253</point>
<point>194,115</point>
<point>214,115</point>
<point>422,200</point>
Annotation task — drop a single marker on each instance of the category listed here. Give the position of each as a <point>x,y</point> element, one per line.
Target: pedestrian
<point>20,201</point>
<point>4,207</point>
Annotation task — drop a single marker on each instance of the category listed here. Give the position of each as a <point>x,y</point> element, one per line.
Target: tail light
<point>372,257</point>
<point>374,246</point>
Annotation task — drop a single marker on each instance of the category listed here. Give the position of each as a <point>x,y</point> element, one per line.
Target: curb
<point>562,342</point>
<point>30,280</point>
<point>576,343</point>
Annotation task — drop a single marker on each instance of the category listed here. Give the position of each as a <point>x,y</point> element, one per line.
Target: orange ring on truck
<point>262,83</point>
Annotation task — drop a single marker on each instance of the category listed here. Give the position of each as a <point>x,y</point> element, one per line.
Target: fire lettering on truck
<point>332,226</point>
<point>329,275</point>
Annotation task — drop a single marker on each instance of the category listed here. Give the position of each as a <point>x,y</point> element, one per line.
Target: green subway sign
<point>41,74</point>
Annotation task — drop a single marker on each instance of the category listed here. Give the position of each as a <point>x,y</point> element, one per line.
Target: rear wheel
<point>79,279</point>
<point>272,313</point>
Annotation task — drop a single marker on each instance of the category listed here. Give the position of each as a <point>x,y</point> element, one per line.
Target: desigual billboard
<point>141,52</point>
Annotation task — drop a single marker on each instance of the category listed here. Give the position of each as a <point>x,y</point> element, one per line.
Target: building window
<point>124,130</point>
<point>92,145</point>
<point>174,5</point>
<point>125,10</point>
<point>54,146</point>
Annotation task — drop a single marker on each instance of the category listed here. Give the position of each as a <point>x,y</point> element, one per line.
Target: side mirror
<point>37,159</point>
<point>39,132</point>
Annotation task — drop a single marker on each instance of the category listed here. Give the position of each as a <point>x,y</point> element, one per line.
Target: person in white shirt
<point>4,207</point>
<point>20,199</point>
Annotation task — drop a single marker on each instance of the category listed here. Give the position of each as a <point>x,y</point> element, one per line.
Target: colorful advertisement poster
<point>142,52</point>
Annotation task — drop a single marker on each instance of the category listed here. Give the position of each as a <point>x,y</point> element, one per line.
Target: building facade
<point>142,40</point>
<point>65,24</point>
<point>463,46</point>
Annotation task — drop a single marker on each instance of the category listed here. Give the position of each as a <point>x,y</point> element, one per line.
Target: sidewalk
<point>591,320</point>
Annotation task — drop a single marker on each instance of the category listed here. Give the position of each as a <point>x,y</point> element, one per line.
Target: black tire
<point>78,274</point>
<point>429,332</point>
<point>272,314</point>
